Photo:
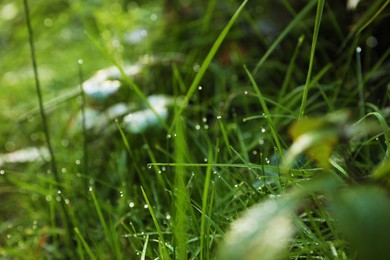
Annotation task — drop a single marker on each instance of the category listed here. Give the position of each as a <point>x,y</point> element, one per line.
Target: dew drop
<point>80,61</point>
<point>372,42</point>
<point>261,142</point>
<point>197,127</point>
<point>263,130</point>
<point>78,162</point>
<point>146,206</point>
<point>196,67</point>
<point>149,166</point>
<point>2,172</point>
<point>358,50</point>
<point>246,92</point>
<point>219,117</point>
<point>48,197</point>
<point>63,170</point>
<point>206,127</point>
<point>153,17</point>
<point>131,204</point>
<point>65,143</point>
<point>204,119</point>
<point>90,188</point>
<point>200,88</point>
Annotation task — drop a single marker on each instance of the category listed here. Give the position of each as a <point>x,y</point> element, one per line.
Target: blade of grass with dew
<point>108,235</point>
<point>320,8</point>
<point>153,159</point>
<point>84,125</point>
<point>207,61</point>
<point>225,136</point>
<point>266,111</point>
<point>205,202</point>
<point>283,34</point>
<point>84,243</point>
<point>143,255</point>
<point>161,243</point>
<point>361,103</point>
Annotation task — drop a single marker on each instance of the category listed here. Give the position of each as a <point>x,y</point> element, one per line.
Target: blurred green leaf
<point>382,172</point>
<point>363,214</point>
<point>262,232</point>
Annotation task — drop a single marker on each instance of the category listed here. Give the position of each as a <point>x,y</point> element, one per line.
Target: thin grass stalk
<point>66,218</point>
<point>291,66</point>
<point>84,124</point>
<point>362,110</point>
<point>39,93</point>
<point>320,8</point>
<point>266,112</point>
<point>207,61</point>
<point>283,34</point>
<point>161,243</point>
<point>205,200</point>
<point>84,244</point>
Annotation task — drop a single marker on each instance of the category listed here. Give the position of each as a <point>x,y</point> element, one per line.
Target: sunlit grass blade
<point>267,113</point>
<point>161,243</point>
<point>143,255</point>
<point>181,197</point>
<point>207,61</point>
<point>317,24</point>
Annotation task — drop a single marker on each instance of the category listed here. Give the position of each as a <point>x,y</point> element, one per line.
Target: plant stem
<point>39,93</point>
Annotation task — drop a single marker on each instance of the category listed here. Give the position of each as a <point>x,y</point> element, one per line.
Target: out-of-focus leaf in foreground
<point>363,214</point>
<point>263,232</point>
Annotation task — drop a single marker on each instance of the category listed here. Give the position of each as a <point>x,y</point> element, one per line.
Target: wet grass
<point>231,173</point>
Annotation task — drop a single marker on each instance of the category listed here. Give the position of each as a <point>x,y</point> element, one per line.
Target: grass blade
<point>84,243</point>
<point>320,8</point>
<point>286,31</point>
<point>45,126</point>
<point>268,115</point>
<point>205,202</point>
<point>207,61</point>
<point>163,252</point>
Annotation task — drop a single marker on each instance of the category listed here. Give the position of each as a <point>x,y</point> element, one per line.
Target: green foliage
<point>274,143</point>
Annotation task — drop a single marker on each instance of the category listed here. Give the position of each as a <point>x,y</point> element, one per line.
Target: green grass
<point>277,144</point>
